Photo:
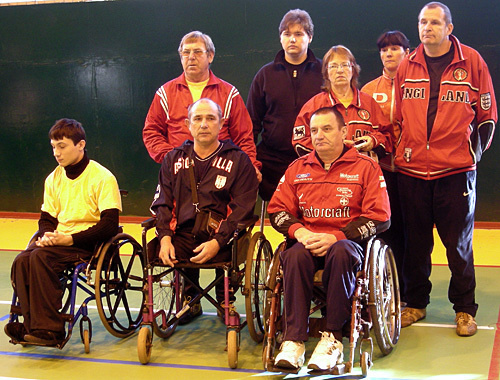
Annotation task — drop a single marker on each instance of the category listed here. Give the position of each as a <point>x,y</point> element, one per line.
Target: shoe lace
<point>464,318</point>
<point>290,345</point>
<point>327,343</point>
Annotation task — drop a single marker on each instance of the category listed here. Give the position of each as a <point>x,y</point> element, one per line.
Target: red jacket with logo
<point>465,117</point>
<point>382,89</point>
<point>362,117</point>
<point>349,200</point>
<point>165,126</point>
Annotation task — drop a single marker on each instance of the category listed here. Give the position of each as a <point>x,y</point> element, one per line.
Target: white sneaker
<point>292,355</point>
<point>327,354</point>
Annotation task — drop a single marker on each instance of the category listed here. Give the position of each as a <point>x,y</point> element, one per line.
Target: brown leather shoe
<point>15,331</point>
<point>46,337</point>
<point>466,324</point>
<point>410,315</point>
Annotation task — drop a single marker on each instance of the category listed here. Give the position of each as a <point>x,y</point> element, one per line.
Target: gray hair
<point>195,36</point>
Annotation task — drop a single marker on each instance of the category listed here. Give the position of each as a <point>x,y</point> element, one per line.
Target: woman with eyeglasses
<point>367,127</point>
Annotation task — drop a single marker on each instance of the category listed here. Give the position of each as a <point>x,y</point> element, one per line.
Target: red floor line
<point>494,372</point>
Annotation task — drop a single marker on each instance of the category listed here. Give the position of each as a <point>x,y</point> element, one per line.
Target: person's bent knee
<point>345,251</point>
<point>296,255</point>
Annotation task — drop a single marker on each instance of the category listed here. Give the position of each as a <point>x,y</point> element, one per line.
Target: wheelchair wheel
<point>144,345</point>
<point>257,265</point>
<point>65,279</point>
<point>86,333</point>
<point>366,363</point>
<point>384,296</point>
<point>164,295</point>
<point>232,348</point>
<point>272,310</point>
<point>119,285</point>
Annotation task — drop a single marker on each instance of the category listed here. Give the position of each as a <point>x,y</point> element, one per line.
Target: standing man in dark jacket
<point>278,92</point>
<point>224,177</point>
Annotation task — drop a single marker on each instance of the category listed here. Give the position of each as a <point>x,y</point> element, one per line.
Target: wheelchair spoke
<point>117,282</point>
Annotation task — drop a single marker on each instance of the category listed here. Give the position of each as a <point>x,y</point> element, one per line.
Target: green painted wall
<point>101,63</point>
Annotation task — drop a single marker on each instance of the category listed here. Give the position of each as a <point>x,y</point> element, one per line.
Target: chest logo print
<point>364,114</point>
<point>460,74</point>
<point>220,181</point>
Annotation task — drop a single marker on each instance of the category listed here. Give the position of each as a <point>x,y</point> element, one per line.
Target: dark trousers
<point>449,203</point>
<point>35,277</point>
<point>273,168</point>
<point>395,235</point>
<point>341,263</point>
<point>184,244</point>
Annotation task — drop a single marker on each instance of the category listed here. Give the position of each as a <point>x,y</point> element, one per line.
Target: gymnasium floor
<point>428,350</point>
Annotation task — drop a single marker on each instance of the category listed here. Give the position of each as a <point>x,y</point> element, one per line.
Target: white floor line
<point>446,326</point>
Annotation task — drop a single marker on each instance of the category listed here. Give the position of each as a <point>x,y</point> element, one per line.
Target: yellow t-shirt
<point>196,89</point>
<point>77,203</point>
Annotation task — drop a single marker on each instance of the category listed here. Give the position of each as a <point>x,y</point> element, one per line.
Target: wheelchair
<point>113,277</point>
<point>164,287</point>
<point>375,308</point>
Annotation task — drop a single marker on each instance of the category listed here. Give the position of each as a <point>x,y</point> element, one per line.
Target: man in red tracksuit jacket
<point>331,201</point>
<point>447,110</point>
<point>165,127</point>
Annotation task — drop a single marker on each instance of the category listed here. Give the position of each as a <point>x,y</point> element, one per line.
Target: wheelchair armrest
<point>251,222</point>
<point>149,223</point>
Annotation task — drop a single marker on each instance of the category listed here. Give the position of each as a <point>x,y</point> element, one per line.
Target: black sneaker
<point>15,331</point>
<point>194,312</point>
<point>45,337</point>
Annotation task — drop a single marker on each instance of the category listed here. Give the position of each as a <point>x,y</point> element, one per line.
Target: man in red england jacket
<point>447,110</point>
<point>165,126</point>
<point>331,201</point>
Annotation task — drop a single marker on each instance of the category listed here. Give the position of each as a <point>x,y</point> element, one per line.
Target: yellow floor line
<point>15,233</point>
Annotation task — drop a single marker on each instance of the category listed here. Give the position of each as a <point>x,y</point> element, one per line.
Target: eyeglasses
<point>196,52</point>
<point>343,66</point>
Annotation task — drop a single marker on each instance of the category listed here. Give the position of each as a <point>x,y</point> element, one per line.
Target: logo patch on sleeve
<point>486,101</point>
<point>299,132</point>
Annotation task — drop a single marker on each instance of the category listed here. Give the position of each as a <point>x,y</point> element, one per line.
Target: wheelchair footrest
<point>273,368</point>
<point>339,369</point>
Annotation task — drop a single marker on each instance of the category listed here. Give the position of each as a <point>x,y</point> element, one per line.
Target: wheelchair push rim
<point>119,286</point>
<point>257,266</point>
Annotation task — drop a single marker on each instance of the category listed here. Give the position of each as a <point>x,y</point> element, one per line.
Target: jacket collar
<point>348,155</point>
<point>356,101</point>
<point>188,146</point>
<point>212,79</point>
<point>418,55</point>
<point>280,58</point>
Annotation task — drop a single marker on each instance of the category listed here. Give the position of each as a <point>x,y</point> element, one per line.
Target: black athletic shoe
<point>15,331</point>
<point>46,337</point>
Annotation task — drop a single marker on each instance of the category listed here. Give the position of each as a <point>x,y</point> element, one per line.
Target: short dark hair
<point>68,128</point>
<point>437,4</point>
<point>297,16</point>
<point>393,38</point>
<point>331,110</point>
